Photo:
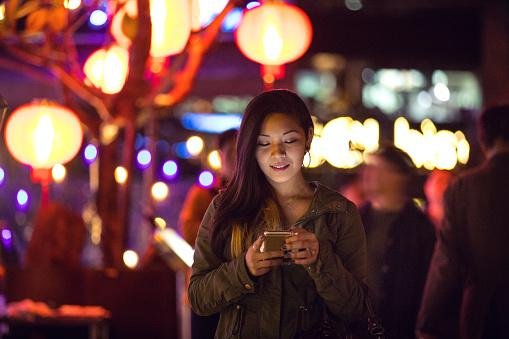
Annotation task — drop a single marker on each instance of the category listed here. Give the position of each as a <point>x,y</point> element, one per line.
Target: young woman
<point>257,296</point>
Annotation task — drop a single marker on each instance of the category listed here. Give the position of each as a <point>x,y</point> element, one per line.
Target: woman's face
<point>281,147</point>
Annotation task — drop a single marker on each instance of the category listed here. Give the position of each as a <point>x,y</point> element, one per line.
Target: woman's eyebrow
<point>285,133</point>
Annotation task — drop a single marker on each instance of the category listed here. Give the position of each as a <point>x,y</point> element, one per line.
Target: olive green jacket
<point>290,301</point>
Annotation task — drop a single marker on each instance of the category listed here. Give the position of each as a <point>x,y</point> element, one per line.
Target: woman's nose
<point>278,149</point>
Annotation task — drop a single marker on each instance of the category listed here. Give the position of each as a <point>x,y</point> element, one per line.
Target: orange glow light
<point>274,33</point>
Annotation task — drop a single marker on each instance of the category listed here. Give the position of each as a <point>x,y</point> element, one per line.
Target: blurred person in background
<point>195,205</point>
<point>58,238</point>
<point>471,258</point>
<point>434,188</point>
<point>400,240</point>
<point>353,189</point>
<point>198,198</point>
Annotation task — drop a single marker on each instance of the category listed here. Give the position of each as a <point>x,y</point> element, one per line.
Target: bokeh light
<point>181,151</point>
<point>2,11</point>
<point>130,258</point>
<point>58,172</point>
<point>6,234</point>
<point>441,92</point>
<point>144,158</point>
<point>159,191</point>
<point>206,179</point>
<point>194,145</point>
<point>170,168</point>
<point>90,153</point>
<point>214,160</point>
<point>353,5</point>
<point>253,4</point>
<point>22,198</point>
<point>98,18</point>
<point>72,4</point>
<point>6,237</point>
<point>2,175</point>
<point>121,175</point>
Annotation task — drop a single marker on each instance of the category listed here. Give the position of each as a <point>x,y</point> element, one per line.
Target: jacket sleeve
<point>442,285</point>
<point>340,271</point>
<point>214,283</point>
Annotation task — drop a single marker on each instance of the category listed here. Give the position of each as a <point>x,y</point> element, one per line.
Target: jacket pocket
<point>238,320</point>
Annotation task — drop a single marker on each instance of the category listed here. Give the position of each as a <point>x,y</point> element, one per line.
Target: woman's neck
<point>293,203</point>
<point>294,190</point>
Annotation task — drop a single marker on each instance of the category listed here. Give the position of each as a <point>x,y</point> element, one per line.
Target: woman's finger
<point>258,243</point>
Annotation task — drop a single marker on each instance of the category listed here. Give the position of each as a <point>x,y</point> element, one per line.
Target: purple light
<point>206,179</point>
<point>90,153</point>
<point>253,4</point>
<point>22,199</point>
<point>170,168</point>
<point>2,175</point>
<point>6,238</point>
<point>6,234</point>
<point>144,158</point>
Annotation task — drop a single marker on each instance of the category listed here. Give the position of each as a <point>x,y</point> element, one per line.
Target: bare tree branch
<point>83,92</point>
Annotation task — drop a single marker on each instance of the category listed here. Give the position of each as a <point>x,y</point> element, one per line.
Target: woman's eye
<point>262,144</point>
<point>290,141</point>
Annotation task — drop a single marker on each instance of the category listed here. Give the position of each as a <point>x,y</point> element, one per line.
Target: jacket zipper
<point>238,320</point>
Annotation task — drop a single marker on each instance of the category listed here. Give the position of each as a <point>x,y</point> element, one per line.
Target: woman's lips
<point>279,167</point>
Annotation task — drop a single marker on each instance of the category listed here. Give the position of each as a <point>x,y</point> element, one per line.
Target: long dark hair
<point>246,194</point>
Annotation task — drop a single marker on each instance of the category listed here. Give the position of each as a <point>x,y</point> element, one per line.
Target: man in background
<point>400,240</point>
<point>470,265</point>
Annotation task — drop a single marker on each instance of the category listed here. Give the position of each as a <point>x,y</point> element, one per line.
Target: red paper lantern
<point>274,33</point>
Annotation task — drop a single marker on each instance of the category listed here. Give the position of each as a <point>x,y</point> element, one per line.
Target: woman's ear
<point>309,138</point>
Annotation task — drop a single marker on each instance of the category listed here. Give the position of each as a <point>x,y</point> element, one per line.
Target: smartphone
<point>274,240</point>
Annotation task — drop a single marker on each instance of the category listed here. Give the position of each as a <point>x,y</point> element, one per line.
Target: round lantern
<point>171,26</point>
<point>43,134</point>
<point>107,68</point>
<point>274,33</point>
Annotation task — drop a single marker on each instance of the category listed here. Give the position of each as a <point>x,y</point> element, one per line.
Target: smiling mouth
<point>279,167</point>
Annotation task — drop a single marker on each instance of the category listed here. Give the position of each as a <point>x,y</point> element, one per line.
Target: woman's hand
<point>303,246</point>
<point>259,263</point>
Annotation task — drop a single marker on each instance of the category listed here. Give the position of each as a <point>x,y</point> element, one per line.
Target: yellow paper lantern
<point>274,33</point>
<point>171,26</point>
<point>107,68</point>
<point>43,134</point>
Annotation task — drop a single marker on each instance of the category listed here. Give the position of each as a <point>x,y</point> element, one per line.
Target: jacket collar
<point>325,200</point>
